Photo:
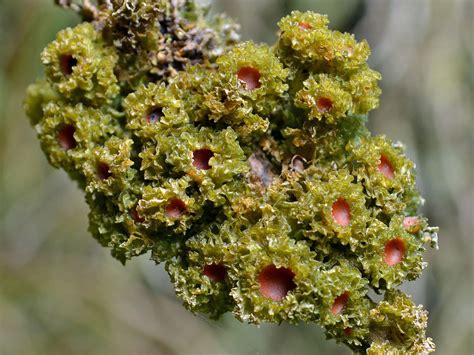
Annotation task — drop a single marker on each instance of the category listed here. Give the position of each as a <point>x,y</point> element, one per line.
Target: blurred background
<point>61,293</point>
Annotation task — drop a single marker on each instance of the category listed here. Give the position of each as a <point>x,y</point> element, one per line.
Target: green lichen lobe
<point>247,169</point>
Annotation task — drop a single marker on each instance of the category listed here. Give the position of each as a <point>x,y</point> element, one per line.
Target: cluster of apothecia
<point>247,169</point>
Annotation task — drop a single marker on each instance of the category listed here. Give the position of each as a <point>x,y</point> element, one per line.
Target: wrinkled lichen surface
<point>246,169</point>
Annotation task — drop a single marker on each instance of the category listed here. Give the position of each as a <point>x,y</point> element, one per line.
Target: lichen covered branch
<point>247,169</point>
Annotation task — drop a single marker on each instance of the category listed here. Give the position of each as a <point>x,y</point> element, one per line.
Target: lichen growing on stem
<point>246,169</point>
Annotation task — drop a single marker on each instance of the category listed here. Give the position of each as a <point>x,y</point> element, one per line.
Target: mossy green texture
<point>38,94</point>
<point>89,129</point>
<point>324,97</point>
<point>267,244</point>
<point>398,326</point>
<point>200,277</point>
<point>80,66</point>
<point>153,110</point>
<point>247,169</point>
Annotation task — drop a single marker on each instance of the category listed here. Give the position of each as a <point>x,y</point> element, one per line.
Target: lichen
<point>247,169</point>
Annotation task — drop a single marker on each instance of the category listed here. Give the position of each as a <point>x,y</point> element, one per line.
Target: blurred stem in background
<point>60,292</point>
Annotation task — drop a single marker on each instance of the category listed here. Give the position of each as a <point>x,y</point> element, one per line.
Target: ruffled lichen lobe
<point>247,169</point>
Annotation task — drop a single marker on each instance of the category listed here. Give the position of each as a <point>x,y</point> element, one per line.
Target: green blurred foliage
<point>60,292</point>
